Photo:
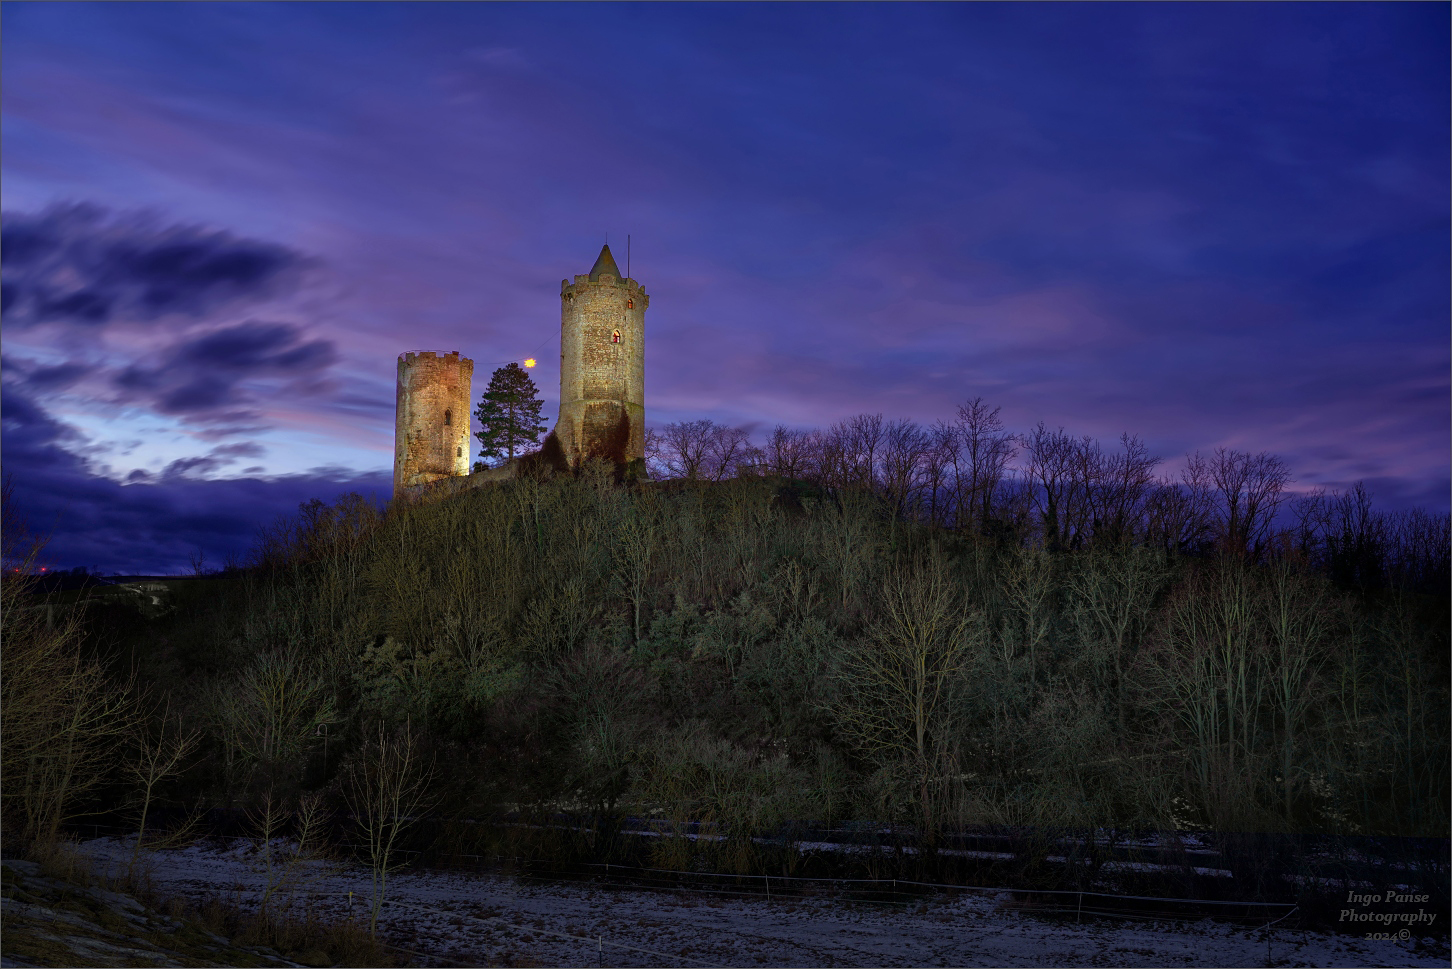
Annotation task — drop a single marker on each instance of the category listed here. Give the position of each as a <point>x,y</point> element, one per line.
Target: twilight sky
<point>1206,224</point>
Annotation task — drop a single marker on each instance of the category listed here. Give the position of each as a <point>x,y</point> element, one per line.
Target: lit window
<point>630,304</point>
<point>615,337</point>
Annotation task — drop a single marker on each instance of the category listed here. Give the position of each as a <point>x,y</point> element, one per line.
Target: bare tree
<point>1409,700</point>
<point>849,540</point>
<point>1054,461</point>
<point>1302,618</point>
<point>1030,590</point>
<point>862,438</point>
<point>986,450</point>
<point>636,547</point>
<point>834,462</point>
<point>272,713</point>
<point>1178,514</point>
<point>387,788</point>
<point>728,452</point>
<point>156,758</point>
<point>1088,467</point>
<point>789,453</point>
<point>64,716</point>
<point>904,451</point>
<point>1204,668</point>
<point>683,448</point>
<point>1353,539</point>
<point>944,448</point>
<point>1124,484</point>
<point>896,682</point>
<point>1114,590</point>
<point>286,862</point>
<point>653,449</point>
<point>1248,490</point>
<point>1419,550</point>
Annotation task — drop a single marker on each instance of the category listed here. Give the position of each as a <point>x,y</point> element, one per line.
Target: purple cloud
<point>82,264</point>
<point>204,376</point>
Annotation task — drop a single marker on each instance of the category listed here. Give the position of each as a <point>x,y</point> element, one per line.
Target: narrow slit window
<point>448,418</point>
<point>630,304</point>
<point>458,452</point>
<point>615,337</point>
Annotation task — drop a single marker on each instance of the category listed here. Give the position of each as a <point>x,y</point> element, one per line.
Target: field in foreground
<point>461,919</point>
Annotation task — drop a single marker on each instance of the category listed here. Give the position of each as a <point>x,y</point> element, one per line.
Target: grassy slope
<point>50,921</point>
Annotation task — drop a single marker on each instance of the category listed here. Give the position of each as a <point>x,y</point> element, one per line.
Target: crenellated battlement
<point>581,283</point>
<point>412,356</point>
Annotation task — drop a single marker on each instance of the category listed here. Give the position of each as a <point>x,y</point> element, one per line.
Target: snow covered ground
<point>474,920</point>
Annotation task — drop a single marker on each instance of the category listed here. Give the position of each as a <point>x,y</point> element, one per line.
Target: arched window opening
<point>458,452</point>
<point>630,304</point>
<point>615,337</point>
<point>448,418</point>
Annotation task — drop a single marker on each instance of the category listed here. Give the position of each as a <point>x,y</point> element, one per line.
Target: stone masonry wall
<point>431,427</point>
<point>602,382</point>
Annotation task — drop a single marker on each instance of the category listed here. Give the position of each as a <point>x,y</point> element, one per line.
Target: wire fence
<point>899,893</point>
<point>890,892</point>
<point>1266,915</point>
<point>602,943</point>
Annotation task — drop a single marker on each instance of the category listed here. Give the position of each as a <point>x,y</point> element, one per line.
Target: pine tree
<point>508,414</point>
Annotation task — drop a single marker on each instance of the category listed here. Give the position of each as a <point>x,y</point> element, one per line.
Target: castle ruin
<point>602,389</point>
<point>602,365</point>
<point>431,419</point>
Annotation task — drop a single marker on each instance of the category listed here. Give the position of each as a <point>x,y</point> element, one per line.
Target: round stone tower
<point>602,365</point>
<point>431,424</point>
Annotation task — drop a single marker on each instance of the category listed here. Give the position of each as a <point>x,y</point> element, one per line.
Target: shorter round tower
<point>431,423</point>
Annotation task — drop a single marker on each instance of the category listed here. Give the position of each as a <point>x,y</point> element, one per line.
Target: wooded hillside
<point>1052,649</point>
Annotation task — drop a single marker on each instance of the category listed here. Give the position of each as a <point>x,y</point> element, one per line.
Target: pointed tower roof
<point>605,264</point>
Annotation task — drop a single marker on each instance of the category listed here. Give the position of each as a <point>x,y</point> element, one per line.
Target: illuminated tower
<point>602,365</point>
<point>431,424</point>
